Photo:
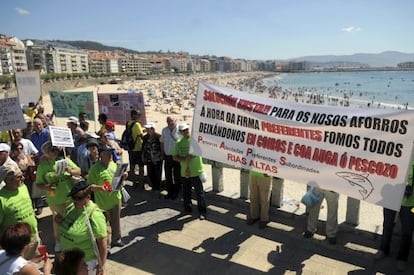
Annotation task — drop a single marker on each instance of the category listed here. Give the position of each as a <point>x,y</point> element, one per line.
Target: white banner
<point>28,86</point>
<point>362,153</point>
<point>11,115</point>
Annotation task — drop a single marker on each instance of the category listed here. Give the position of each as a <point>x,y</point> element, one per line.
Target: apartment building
<point>12,55</point>
<point>135,65</point>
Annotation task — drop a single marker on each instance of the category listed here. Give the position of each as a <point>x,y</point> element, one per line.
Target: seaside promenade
<point>161,240</point>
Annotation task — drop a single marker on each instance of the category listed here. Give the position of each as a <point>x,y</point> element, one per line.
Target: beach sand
<point>185,88</point>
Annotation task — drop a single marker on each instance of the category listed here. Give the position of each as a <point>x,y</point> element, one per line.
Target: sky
<point>254,30</point>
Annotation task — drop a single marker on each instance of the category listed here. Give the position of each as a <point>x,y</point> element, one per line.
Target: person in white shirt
<point>169,137</point>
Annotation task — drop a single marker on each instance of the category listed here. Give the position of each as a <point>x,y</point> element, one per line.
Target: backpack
<point>127,141</point>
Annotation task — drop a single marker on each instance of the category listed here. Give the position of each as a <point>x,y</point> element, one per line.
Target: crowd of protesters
<point>85,206</point>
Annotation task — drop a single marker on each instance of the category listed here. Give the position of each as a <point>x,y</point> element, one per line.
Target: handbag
<point>125,195</point>
<point>311,198</point>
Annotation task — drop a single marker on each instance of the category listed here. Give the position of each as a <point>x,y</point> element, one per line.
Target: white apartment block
<point>12,55</point>
<point>66,60</point>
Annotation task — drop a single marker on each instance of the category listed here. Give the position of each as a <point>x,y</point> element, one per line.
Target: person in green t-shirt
<point>74,231</point>
<point>406,215</point>
<point>16,205</point>
<point>100,178</point>
<point>191,170</point>
<point>57,182</point>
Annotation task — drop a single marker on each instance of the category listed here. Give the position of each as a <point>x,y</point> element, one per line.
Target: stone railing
<point>353,205</point>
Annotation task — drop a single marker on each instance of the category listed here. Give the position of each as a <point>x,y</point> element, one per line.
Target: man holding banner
<point>192,172</point>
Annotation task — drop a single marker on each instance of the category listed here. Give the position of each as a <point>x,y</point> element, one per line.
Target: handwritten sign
<point>11,115</point>
<point>362,153</point>
<point>66,104</point>
<point>117,106</point>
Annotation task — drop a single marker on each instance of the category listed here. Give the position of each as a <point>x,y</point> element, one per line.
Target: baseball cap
<point>73,119</point>
<point>92,142</point>
<point>150,125</point>
<point>183,127</point>
<point>82,185</point>
<point>4,147</point>
<point>9,168</point>
<point>110,124</point>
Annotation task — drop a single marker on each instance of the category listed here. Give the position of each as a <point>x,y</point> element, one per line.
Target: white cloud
<point>351,29</point>
<point>22,11</point>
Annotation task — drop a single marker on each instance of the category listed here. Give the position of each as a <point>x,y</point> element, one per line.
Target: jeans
<point>195,182</point>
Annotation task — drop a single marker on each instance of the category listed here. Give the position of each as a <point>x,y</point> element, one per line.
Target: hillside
<point>384,59</point>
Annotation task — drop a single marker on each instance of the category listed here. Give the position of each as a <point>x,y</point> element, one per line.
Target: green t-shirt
<point>136,131</point>
<point>98,175</point>
<point>15,207</point>
<point>74,230</point>
<point>409,202</point>
<point>45,174</point>
<point>181,149</point>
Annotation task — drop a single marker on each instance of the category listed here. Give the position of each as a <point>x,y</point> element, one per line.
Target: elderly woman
<point>107,141</point>
<point>151,155</point>
<point>83,225</point>
<point>54,174</point>
<point>16,206</point>
<point>15,241</point>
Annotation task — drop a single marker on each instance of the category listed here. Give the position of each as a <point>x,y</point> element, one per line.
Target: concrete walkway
<point>161,240</point>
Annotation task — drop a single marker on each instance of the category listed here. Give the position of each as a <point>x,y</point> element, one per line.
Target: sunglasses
<point>19,148</point>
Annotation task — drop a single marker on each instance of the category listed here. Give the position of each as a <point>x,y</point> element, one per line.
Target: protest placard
<point>61,136</point>
<point>117,106</point>
<point>11,115</point>
<point>66,104</point>
<point>28,86</point>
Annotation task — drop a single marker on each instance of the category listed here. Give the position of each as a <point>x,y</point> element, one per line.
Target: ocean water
<point>381,89</point>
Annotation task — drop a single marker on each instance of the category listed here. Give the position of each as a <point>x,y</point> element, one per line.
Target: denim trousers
<point>193,182</point>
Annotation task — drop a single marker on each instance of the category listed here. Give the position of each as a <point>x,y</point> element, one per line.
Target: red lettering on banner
<point>220,98</point>
<point>373,167</point>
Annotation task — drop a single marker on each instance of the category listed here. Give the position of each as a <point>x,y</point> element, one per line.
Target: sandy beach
<point>184,88</point>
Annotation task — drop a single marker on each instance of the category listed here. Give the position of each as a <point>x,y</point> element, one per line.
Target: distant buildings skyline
<point>50,57</point>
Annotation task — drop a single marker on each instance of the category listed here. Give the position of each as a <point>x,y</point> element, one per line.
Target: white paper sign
<point>28,86</point>
<point>61,166</point>
<point>11,115</point>
<point>61,136</point>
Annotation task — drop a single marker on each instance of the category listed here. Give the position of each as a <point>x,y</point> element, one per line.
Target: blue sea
<point>385,89</point>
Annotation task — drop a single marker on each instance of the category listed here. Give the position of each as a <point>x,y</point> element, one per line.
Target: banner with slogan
<point>66,104</point>
<point>28,86</point>
<point>361,153</point>
<point>117,106</point>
